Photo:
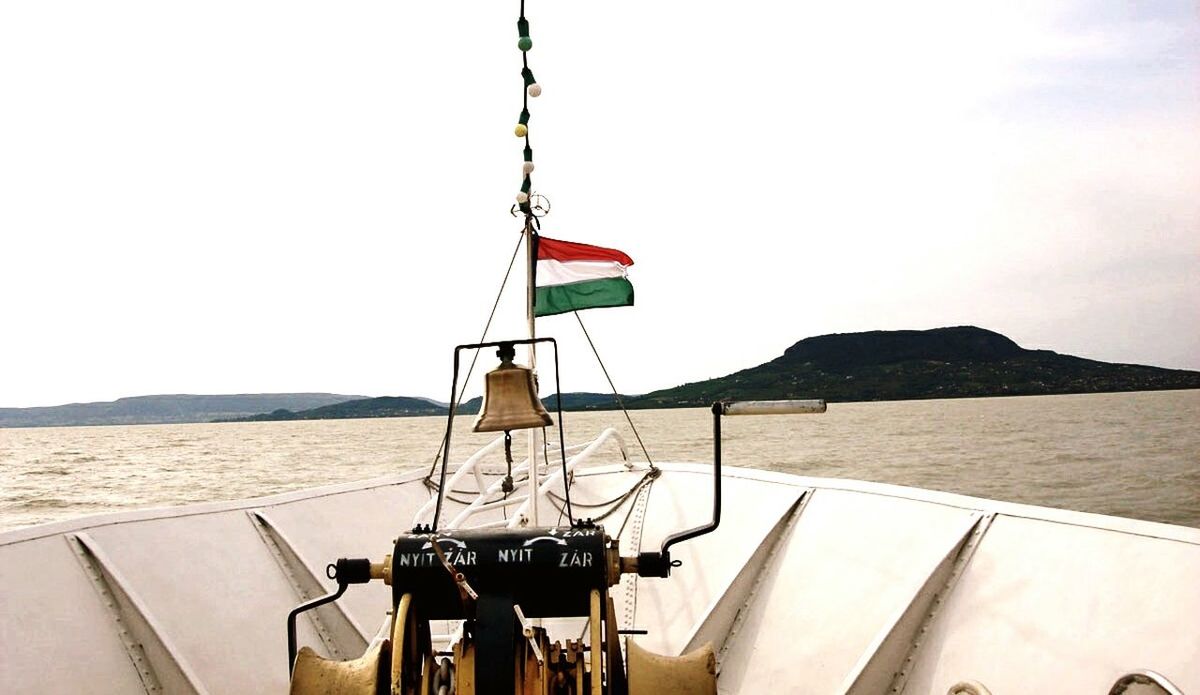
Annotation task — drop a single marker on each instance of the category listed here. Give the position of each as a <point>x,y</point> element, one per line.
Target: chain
<point>507,485</point>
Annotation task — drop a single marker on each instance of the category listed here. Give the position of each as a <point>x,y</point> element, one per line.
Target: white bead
<point>522,197</point>
<point>527,168</point>
<point>535,90</point>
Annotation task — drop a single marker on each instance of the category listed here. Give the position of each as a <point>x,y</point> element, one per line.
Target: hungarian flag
<point>571,276</point>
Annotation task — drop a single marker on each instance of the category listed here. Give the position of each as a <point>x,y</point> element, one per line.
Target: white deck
<point>809,586</point>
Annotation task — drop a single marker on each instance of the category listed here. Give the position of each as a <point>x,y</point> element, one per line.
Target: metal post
<point>530,290</point>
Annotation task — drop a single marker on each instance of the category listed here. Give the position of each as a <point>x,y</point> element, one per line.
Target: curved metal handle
<point>659,564</point>
<point>306,606</point>
<point>345,572</point>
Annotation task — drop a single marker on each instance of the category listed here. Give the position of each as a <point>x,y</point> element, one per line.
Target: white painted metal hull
<point>808,586</point>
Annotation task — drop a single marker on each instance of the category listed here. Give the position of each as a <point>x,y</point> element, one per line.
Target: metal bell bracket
<point>506,346</point>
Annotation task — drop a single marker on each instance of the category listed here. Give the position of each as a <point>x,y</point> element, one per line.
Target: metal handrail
<point>520,517</point>
<point>469,466</point>
<point>1144,677</point>
<point>968,688</point>
<point>485,499</point>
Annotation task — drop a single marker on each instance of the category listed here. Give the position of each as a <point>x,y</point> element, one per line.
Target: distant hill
<point>579,400</point>
<point>896,365</point>
<point>954,362</point>
<point>406,406</point>
<point>385,406</point>
<point>178,408</point>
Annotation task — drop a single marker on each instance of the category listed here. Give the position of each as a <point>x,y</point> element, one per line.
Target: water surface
<point>1128,454</point>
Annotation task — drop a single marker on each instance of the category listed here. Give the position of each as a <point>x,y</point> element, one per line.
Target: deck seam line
<point>289,573</point>
<point>277,542</point>
<point>738,620</point>
<point>133,648</point>
<point>113,579</point>
<point>960,564</point>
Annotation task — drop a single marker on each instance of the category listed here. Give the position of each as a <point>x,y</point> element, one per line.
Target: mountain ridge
<point>164,409</point>
<point>949,362</point>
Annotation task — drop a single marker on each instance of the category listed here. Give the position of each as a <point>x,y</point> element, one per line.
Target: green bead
<point>524,43</point>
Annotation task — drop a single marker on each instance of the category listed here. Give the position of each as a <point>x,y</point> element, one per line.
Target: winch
<point>502,582</point>
<point>498,582</point>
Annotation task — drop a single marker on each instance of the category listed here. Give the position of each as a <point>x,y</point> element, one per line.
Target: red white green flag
<point>571,277</point>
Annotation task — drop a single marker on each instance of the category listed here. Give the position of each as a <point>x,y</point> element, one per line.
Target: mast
<point>530,88</point>
<point>531,260</point>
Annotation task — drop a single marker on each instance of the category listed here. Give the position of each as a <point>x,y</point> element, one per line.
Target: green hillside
<point>385,406</point>
<point>403,406</point>
<point>962,361</point>
<point>896,365</point>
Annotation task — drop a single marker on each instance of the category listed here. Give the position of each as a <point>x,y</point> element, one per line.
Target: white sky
<point>231,197</point>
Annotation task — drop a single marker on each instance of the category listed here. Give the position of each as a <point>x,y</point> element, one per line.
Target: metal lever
<point>659,564</point>
<point>530,634</point>
<point>345,572</point>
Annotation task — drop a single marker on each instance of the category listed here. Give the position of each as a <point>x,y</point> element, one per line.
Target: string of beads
<point>530,89</point>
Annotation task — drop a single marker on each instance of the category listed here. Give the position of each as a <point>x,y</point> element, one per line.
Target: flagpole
<point>530,88</point>
<point>530,290</point>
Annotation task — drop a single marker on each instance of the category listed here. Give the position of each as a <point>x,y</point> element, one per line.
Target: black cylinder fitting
<point>654,564</point>
<point>352,571</point>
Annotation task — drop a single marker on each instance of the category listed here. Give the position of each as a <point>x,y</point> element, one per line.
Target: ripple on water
<point>36,503</point>
<point>49,470</point>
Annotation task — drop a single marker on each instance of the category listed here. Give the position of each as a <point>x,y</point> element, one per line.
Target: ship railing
<point>469,467</point>
<point>550,475</point>
<point>1159,685</point>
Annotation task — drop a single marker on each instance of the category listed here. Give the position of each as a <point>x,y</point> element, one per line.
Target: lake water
<point>1130,454</point>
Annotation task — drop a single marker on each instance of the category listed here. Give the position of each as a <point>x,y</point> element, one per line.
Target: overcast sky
<point>244,196</point>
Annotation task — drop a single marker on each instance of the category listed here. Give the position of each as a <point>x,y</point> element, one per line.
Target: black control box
<point>547,571</point>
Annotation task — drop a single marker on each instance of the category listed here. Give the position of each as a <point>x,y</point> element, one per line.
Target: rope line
<point>615,503</point>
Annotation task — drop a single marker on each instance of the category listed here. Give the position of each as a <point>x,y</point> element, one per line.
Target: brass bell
<point>510,400</point>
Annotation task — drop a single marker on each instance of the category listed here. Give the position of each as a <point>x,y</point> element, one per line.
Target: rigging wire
<point>566,482</point>
<point>486,327</point>
<point>616,394</point>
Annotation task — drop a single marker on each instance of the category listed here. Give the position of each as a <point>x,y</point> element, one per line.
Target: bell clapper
<point>507,486</point>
